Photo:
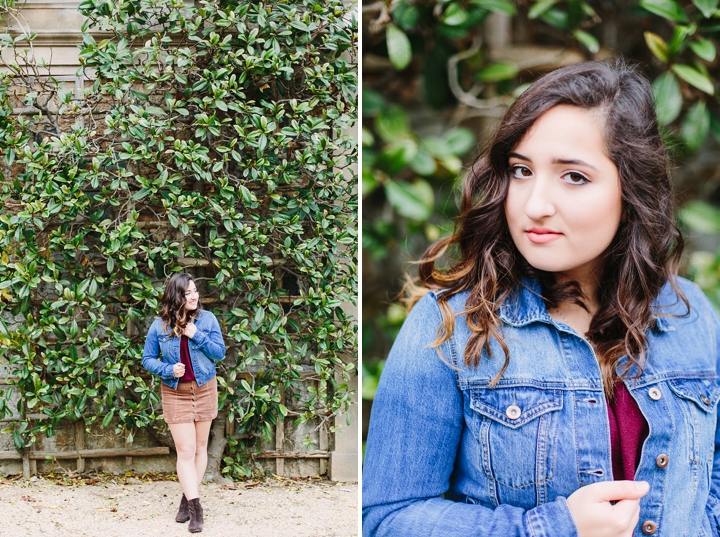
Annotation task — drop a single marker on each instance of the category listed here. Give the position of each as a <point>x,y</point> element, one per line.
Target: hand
<point>190,330</point>
<point>595,516</point>
<point>179,370</point>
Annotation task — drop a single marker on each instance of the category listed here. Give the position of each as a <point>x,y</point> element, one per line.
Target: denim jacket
<point>449,456</point>
<point>162,350</point>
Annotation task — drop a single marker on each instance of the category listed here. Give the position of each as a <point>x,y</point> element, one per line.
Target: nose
<point>539,203</point>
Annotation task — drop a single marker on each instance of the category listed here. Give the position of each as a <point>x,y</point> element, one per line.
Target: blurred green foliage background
<point>438,75</point>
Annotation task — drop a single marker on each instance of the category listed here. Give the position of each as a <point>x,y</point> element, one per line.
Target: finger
<point>627,512</point>
<point>619,490</point>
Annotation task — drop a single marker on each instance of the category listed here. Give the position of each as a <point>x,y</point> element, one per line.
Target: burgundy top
<point>185,359</point>
<point>628,431</point>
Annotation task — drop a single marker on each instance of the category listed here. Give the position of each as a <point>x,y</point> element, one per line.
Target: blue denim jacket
<point>446,456</point>
<point>206,348</point>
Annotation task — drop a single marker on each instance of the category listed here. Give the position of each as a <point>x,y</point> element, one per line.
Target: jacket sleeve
<point>713,504</point>
<point>210,341</point>
<point>151,353</point>
<point>414,436</point>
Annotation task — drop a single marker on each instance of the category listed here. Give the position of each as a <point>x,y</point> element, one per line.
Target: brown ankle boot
<point>183,514</point>
<point>196,515</point>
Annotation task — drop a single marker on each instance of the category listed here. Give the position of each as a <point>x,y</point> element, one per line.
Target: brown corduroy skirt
<point>190,402</point>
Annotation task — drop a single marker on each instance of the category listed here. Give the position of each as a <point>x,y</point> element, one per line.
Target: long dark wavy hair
<point>173,314</point>
<point>642,257</point>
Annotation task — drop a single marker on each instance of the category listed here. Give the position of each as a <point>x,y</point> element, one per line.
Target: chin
<point>549,265</point>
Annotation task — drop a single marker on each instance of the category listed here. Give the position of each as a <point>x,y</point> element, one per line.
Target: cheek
<point>598,220</point>
<point>512,206</point>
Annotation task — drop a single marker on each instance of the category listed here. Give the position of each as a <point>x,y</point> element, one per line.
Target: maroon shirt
<point>185,359</point>
<point>628,431</point>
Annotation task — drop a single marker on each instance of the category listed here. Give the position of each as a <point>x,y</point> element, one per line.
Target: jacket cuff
<point>552,519</point>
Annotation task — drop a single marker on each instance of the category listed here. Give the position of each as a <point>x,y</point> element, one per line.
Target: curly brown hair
<point>643,256</point>
<point>173,313</point>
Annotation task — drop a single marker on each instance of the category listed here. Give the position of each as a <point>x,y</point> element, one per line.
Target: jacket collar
<point>526,305</point>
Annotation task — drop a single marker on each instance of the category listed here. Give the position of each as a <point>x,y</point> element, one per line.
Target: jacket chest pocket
<point>165,343</point>
<point>698,399</point>
<point>516,429</point>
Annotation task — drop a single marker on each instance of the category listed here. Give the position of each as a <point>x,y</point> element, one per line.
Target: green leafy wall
<point>208,138</point>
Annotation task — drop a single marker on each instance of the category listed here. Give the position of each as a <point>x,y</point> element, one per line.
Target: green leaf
<point>392,123</point>
<point>397,155</point>
<point>460,140</point>
<point>368,140</point>
<point>668,98</point>
<point>657,46</point>
<point>539,8</point>
<point>398,45</point>
<point>680,34</point>
<point>455,15</point>
<point>588,40</point>
<point>696,125</point>
<point>706,7</point>
<point>715,128</point>
<point>406,16</point>
<point>372,102</point>
<point>414,201</point>
<point>704,49</point>
<point>700,216</point>
<point>496,6</point>
<point>495,72</point>
<point>556,18</point>
<point>668,9</point>
<point>423,163</point>
<point>694,77</point>
<point>369,384</point>
<point>108,418</point>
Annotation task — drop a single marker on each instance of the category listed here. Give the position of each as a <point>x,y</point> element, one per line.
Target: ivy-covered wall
<point>210,138</point>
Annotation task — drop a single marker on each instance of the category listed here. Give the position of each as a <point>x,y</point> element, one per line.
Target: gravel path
<point>132,508</point>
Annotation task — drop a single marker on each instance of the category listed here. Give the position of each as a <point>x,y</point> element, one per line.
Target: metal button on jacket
<point>649,527</point>
<point>662,460</point>
<point>654,393</point>
<point>705,400</point>
<point>513,412</point>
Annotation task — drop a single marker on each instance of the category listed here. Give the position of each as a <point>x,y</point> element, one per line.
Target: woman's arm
<point>713,505</point>
<point>151,352</point>
<point>415,431</point>
<point>210,341</point>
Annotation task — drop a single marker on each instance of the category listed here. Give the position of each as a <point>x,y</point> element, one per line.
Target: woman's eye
<point>520,172</point>
<point>575,178</point>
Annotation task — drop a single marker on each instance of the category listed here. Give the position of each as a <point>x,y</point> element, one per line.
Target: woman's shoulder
<point>668,294</point>
<point>205,315</point>
<point>670,303</point>
<point>205,318</point>
<point>431,300</point>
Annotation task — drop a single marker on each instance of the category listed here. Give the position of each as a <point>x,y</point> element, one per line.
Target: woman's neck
<point>572,314</point>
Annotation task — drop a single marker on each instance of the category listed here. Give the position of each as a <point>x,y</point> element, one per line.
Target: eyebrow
<point>577,162</point>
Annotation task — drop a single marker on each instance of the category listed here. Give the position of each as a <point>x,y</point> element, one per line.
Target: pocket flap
<point>703,392</point>
<point>516,406</point>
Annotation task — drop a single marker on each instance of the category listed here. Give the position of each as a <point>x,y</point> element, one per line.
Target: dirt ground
<point>135,506</point>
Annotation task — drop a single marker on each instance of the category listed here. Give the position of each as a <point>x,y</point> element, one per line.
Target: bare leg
<point>202,432</point>
<point>184,436</point>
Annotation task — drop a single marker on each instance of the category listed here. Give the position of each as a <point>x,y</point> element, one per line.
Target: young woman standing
<point>182,347</point>
<point>558,379</point>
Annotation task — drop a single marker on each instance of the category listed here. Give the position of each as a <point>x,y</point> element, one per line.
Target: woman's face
<point>564,203</point>
<point>191,296</point>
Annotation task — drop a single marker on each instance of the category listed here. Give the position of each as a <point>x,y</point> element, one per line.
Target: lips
<point>542,235</point>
